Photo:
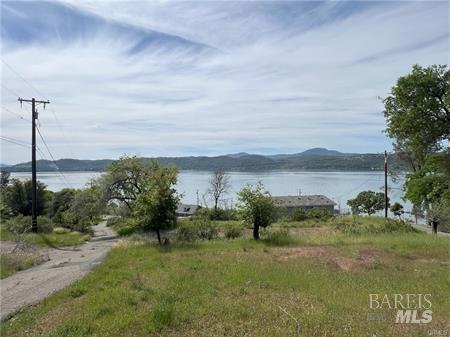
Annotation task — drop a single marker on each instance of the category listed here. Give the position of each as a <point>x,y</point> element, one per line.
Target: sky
<point>208,78</point>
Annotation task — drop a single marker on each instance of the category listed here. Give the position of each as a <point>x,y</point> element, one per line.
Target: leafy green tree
<point>125,179</point>
<point>367,202</point>
<point>61,201</point>
<point>17,197</point>
<point>417,112</point>
<point>4,179</point>
<point>397,209</point>
<point>256,206</point>
<point>155,206</point>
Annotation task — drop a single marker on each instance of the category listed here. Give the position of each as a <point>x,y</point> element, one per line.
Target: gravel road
<point>64,266</point>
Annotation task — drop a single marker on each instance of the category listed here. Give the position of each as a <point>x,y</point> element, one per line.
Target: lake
<point>339,186</point>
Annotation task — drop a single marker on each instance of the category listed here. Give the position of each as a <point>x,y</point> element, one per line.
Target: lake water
<point>339,186</point>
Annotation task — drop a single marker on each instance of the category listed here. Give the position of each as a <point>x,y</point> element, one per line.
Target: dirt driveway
<point>64,266</point>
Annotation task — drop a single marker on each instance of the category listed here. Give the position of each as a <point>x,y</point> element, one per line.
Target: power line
<point>15,142</point>
<point>41,94</point>
<point>23,79</point>
<point>15,113</point>
<point>23,144</point>
<point>52,158</point>
<point>10,90</point>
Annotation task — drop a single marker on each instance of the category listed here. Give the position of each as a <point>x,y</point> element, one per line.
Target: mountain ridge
<point>312,159</point>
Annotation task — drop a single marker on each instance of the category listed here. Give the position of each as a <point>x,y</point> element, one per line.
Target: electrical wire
<point>53,158</point>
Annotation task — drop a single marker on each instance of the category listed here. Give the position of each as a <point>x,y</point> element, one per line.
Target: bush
<point>298,214</point>
<point>278,237</point>
<point>319,213</point>
<point>219,214</point>
<point>186,232</point>
<point>233,231</point>
<point>198,228</point>
<point>75,222</point>
<point>60,230</point>
<point>123,226</point>
<point>358,226</point>
<point>22,224</point>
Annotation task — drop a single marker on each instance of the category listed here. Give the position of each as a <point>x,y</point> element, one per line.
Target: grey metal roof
<point>187,209</point>
<point>303,200</point>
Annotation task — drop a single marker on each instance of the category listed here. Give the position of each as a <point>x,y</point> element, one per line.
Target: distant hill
<point>313,159</point>
<point>319,151</point>
<point>237,155</point>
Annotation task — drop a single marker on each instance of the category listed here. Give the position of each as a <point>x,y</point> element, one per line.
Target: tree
<point>256,206</point>
<point>397,209</point>
<point>155,207</point>
<point>367,202</point>
<point>219,184</point>
<point>61,201</point>
<point>4,179</point>
<point>17,196</point>
<point>125,179</point>
<point>417,112</point>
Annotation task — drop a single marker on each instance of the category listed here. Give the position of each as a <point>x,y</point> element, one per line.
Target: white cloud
<point>281,79</point>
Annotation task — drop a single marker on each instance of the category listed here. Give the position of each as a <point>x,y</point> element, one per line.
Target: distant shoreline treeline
<point>242,163</point>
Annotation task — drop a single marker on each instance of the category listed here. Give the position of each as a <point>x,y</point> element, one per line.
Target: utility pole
<point>386,199</point>
<point>34,116</point>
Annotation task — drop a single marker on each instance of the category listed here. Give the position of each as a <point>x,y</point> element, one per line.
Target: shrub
<point>186,232</point>
<point>76,222</point>
<point>206,229</point>
<point>219,214</point>
<point>60,230</point>
<point>198,228</point>
<point>233,231</point>
<point>279,237</point>
<point>123,226</point>
<point>22,224</point>
<point>298,214</point>
<point>319,213</point>
<point>358,226</point>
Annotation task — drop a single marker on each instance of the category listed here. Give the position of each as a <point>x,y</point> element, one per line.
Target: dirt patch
<point>363,260</point>
<point>308,251</point>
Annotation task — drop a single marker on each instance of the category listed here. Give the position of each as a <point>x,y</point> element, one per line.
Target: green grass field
<point>316,285</point>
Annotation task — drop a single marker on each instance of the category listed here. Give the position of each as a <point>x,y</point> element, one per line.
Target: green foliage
<point>22,224</point>
<point>397,209</point>
<point>318,213</point>
<point>123,226</point>
<point>17,197</point>
<point>372,225</point>
<point>125,179</point>
<point>61,201</point>
<point>256,206</point>
<point>277,237</point>
<point>298,214</point>
<point>429,184</point>
<point>367,202</point>
<point>198,228</point>
<point>78,210</point>
<point>233,230</point>
<point>418,118</point>
<point>417,111</point>
<point>218,214</point>
<point>155,207</point>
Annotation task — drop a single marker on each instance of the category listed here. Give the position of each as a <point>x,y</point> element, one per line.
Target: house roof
<point>187,209</point>
<point>303,200</point>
